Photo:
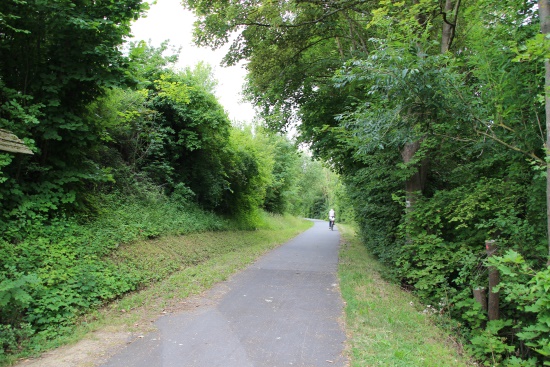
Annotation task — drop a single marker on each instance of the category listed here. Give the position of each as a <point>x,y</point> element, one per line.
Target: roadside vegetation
<point>431,120</point>
<point>149,276</point>
<point>436,115</point>
<point>127,148</point>
<point>386,325</point>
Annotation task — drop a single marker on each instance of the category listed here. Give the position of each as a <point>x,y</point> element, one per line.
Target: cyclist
<point>331,218</point>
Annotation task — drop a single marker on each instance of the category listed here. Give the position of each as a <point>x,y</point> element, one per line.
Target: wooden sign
<point>11,143</point>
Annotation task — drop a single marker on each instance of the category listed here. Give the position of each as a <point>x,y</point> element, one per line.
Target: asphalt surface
<point>283,310</point>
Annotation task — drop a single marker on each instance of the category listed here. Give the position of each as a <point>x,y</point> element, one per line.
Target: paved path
<point>284,310</point>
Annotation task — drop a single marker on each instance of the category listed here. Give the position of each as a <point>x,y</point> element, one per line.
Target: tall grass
<point>386,325</point>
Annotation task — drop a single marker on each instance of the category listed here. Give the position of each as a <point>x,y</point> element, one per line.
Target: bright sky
<point>168,20</point>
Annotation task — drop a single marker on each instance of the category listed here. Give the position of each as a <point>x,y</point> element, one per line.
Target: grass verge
<point>176,267</point>
<point>386,326</point>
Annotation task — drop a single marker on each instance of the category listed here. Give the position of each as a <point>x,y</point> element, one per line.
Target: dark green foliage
<point>195,131</point>
<point>103,127</point>
<point>248,165</point>
<point>378,214</point>
<point>13,338</point>
<point>171,132</point>
<point>56,58</point>
<point>62,270</point>
<point>477,189</point>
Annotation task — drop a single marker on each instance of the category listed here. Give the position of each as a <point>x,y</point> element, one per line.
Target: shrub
<point>59,270</point>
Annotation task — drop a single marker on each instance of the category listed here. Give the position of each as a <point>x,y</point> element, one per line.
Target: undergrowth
<point>54,273</point>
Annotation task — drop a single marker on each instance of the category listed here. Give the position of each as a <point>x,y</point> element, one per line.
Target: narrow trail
<point>283,310</point>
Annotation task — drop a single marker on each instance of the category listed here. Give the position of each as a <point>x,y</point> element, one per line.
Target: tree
<point>281,193</point>
<point>249,172</point>
<point>544,14</point>
<point>55,59</point>
<point>291,47</point>
<point>171,130</point>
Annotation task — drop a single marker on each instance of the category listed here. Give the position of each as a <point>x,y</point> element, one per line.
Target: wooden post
<point>494,279</point>
<point>480,295</point>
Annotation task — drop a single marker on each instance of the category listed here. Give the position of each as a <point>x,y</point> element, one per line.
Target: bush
<point>526,291</point>
<point>62,269</point>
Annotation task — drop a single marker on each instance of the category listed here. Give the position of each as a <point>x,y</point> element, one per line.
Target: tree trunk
<point>340,50</point>
<point>447,33</point>
<point>415,184</point>
<point>544,14</point>
<point>494,280</point>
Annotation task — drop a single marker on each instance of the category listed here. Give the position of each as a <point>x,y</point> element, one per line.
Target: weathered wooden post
<point>11,143</point>
<point>494,279</point>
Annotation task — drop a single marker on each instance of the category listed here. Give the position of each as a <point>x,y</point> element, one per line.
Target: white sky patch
<point>168,20</point>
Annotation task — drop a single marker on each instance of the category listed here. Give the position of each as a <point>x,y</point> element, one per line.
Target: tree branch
<point>493,137</point>
<point>349,6</point>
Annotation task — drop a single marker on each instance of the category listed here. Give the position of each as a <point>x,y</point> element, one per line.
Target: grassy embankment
<point>209,258</point>
<point>387,326</point>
